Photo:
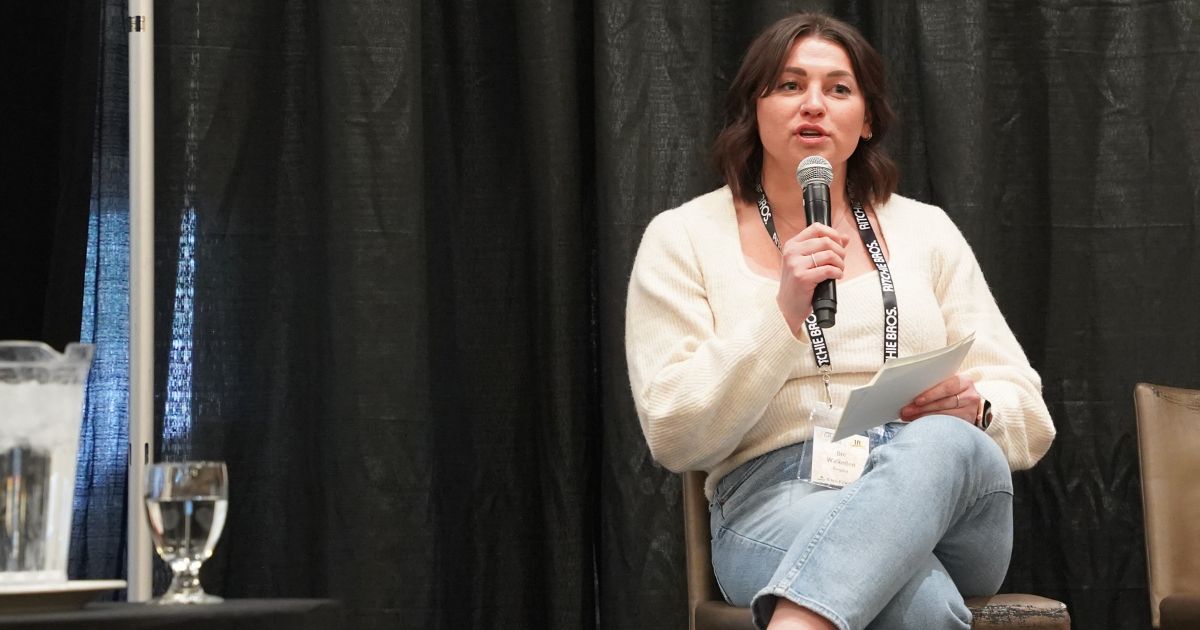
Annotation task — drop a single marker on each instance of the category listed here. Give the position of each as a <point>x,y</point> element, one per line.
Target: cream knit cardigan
<point>718,378</point>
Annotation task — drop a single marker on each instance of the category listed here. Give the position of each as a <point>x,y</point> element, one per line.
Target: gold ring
<point>957,404</point>
<point>814,260</point>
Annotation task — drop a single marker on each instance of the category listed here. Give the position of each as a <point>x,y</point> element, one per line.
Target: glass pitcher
<point>41,405</point>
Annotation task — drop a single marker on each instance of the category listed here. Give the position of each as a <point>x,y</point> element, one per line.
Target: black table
<point>233,614</point>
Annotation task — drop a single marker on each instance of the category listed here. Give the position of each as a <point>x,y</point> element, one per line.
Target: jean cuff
<point>762,607</point>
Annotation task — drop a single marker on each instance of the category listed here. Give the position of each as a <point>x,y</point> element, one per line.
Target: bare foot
<point>790,616</point>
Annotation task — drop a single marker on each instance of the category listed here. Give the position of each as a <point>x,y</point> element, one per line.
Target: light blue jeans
<point>928,523</point>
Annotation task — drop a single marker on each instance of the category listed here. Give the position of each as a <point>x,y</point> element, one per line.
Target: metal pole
<point>141,289</point>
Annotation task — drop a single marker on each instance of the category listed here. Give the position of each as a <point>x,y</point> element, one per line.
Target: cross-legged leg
<point>940,492</point>
<point>929,600</point>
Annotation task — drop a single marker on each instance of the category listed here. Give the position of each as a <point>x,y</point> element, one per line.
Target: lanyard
<point>887,286</point>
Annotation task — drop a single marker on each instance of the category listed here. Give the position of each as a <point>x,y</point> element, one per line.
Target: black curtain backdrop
<point>47,117</point>
<point>416,222</point>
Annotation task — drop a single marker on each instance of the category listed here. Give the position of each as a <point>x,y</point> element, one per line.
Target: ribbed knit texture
<point>718,378</point>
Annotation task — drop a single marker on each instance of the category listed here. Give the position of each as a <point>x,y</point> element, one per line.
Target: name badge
<point>836,464</point>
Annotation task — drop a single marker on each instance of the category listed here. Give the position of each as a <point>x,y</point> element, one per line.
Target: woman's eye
<point>842,89</point>
<point>789,86</point>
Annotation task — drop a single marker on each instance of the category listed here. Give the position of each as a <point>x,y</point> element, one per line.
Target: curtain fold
<point>98,533</point>
<point>414,224</point>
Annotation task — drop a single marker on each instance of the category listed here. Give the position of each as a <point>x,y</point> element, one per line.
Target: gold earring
<point>869,136</point>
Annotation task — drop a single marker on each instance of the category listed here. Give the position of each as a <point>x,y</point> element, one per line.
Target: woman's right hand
<point>817,253</point>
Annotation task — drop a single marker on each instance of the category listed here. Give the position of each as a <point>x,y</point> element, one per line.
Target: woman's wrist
<point>794,323</point>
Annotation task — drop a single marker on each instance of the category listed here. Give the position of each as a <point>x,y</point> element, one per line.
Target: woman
<point>726,380</point>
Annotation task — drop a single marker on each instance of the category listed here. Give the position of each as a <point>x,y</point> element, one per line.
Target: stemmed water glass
<point>186,503</point>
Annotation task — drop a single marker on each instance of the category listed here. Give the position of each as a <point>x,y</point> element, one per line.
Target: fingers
<point>814,266</point>
<point>816,238</point>
<point>816,254</point>
<point>955,396</point>
<point>816,247</point>
<point>817,230</point>
<point>945,389</point>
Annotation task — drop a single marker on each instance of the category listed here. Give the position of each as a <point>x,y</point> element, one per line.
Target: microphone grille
<point>814,169</point>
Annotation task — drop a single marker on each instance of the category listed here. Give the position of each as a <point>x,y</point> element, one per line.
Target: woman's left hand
<point>955,396</point>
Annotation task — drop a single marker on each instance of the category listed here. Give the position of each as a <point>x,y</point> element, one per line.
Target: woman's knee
<point>950,430</point>
<point>957,445</point>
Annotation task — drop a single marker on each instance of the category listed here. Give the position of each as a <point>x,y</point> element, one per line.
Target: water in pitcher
<point>37,478</point>
<point>24,500</point>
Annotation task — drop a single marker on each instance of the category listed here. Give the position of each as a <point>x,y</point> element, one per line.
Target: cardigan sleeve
<point>697,393</point>
<point>1021,423</point>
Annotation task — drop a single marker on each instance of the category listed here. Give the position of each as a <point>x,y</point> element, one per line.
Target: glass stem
<point>186,581</point>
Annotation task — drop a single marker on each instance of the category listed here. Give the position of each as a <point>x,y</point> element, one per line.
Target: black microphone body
<point>816,210</point>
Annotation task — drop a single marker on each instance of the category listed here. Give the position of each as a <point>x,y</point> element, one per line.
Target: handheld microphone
<point>815,174</point>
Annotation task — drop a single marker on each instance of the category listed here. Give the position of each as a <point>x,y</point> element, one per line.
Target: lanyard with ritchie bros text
<point>891,310</point>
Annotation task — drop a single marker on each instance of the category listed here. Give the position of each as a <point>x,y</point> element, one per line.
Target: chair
<point>1168,425</point>
<point>707,609</point>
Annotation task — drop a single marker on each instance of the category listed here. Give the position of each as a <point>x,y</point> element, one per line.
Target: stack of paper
<point>896,384</point>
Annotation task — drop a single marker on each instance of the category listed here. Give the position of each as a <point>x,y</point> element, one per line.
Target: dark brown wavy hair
<point>737,152</point>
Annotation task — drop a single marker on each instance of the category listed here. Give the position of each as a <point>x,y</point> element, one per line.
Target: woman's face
<point>814,107</point>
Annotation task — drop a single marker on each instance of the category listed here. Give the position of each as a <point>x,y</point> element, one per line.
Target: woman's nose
<point>813,103</point>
